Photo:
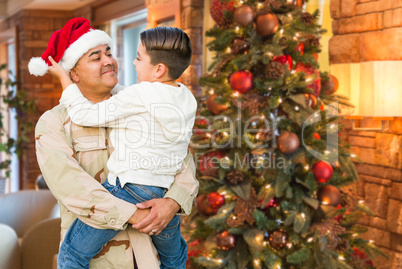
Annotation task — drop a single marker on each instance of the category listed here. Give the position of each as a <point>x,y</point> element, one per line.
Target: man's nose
<point>108,60</point>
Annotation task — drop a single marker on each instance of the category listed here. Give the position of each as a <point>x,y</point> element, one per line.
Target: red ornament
<point>203,206</point>
<point>329,195</point>
<point>340,217</point>
<point>198,131</point>
<point>284,59</point>
<point>213,106</point>
<point>209,163</point>
<point>359,255</point>
<point>194,249</point>
<point>200,126</point>
<point>315,55</point>
<point>317,136</point>
<point>300,48</point>
<point>201,122</point>
<point>216,200</point>
<point>330,86</point>
<point>241,81</point>
<point>268,205</point>
<point>225,240</point>
<point>218,9</point>
<point>310,70</point>
<point>322,171</point>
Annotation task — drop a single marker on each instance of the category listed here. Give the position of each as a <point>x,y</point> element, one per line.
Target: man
<point>73,158</point>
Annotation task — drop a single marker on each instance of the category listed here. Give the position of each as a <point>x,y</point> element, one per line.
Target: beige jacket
<point>73,160</point>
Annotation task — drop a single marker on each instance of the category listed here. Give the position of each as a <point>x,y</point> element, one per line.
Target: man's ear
<point>74,76</point>
<point>161,69</point>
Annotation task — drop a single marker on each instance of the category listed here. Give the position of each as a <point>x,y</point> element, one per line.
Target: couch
<point>34,218</point>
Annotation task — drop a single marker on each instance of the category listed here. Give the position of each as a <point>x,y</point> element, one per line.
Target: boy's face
<point>97,70</point>
<point>145,70</point>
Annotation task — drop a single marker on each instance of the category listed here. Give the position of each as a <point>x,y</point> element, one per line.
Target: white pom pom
<point>37,66</point>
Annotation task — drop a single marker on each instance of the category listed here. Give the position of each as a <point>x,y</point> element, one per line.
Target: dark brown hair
<point>170,46</point>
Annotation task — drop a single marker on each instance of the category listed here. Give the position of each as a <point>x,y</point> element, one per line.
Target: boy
<point>152,123</point>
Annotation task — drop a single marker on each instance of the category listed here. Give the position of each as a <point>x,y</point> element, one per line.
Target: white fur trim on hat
<point>37,66</point>
<point>82,45</point>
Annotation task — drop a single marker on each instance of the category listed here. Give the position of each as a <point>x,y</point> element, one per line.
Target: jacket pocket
<point>88,138</point>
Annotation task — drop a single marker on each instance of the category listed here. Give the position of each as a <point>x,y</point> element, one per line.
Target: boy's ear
<point>74,76</point>
<point>161,69</point>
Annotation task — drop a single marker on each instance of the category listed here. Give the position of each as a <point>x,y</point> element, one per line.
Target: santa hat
<point>68,45</point>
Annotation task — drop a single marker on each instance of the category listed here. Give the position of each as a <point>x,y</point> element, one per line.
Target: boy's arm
<point>82,111</point>
<point>59,72</point>
<point>108,113</point>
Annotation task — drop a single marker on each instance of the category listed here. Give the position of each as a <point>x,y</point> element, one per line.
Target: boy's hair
<point>170,46</point>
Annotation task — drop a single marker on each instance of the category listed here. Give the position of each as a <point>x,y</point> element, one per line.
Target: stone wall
<point>192,21</point>
<point>365,30</point>
<point>371,30</point>
<point>380,186</point>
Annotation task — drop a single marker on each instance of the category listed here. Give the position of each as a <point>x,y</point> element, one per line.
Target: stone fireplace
<point>365,31</point>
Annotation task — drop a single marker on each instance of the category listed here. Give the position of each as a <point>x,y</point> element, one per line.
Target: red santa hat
<point>68,45</point>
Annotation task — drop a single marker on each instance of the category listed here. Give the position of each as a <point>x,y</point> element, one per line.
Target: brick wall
<point>371,30</point>
<point>34,28</point>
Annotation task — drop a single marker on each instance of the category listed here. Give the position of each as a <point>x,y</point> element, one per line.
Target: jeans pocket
<point>144,193</point>
<point>111,188</point>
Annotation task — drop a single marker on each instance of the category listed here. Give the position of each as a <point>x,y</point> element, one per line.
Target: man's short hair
<point>170,46</point>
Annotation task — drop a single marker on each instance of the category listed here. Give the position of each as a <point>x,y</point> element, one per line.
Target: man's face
<point>145,70</point>
<point>96,70</point>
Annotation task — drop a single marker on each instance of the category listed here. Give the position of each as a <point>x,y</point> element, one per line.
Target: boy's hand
<point>58,71</point>
<point>139,215</point>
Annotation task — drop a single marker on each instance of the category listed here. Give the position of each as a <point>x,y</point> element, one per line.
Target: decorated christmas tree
<point>276,179</point>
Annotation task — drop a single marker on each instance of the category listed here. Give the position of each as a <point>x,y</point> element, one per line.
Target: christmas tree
<point>275,177</point>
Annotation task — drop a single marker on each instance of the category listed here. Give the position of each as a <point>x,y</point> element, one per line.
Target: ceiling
<point>9,7</point>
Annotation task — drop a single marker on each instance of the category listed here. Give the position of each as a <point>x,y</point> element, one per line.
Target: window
<point>125,33</point>
<point>8,57</point>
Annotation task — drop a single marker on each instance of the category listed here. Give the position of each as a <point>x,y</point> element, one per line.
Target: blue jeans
<point>83,242</point>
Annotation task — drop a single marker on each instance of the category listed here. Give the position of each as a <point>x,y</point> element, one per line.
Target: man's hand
<point>162,212</point>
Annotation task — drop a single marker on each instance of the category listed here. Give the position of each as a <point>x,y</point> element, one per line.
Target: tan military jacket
<point>73,160</point>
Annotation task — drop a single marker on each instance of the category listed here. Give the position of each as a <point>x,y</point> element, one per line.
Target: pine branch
<point>300,256</point>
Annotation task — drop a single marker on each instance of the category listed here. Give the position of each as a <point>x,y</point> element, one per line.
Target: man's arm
<point>178,199</point>
<point>78,191</point>
<point>185,186</point>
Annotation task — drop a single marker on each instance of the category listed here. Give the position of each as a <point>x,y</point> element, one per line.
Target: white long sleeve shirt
<point>152,124</point>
